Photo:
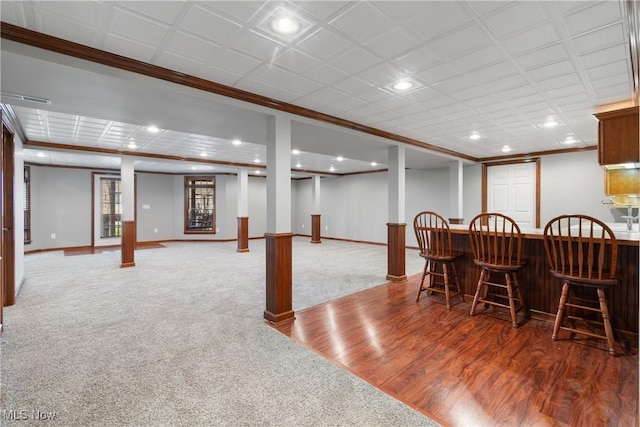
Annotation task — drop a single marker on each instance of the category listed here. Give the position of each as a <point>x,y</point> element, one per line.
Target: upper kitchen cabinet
<point>618,140</point>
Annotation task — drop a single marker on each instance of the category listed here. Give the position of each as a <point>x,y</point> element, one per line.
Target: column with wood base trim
<point>279,277</point>
<point>128,244</point>
<point>396,250</point>
<point>243,234</point>
<point>315,228</point>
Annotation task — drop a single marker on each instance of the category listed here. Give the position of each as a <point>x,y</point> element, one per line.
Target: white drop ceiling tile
<point>373,94</point>
<point>622,91</point>
<point>302,86</point>
<point>592,18</point>
<point>232,61</point>
<point>187,46</point>
<point>603,37</point>
<point>381,74</point>
<point>392,42</point>
<point>566,91</point>
<point>465,39</point>
<point>607,70</point>
<point>418,60</point>
<point>514,18</point>
<point>478,58</point>
<point>240,10</point>
<point>296,61</point>
<point>327,95</point>
<point>324,44</point>
<point>348,103</point>
<point>360,21</point>
<point>610,81</point>
<point>326,74</point>
<point>273,76</point>
<point>438,73</point>
<point>401,11</point>
<point>559,82</point>
<point>321,10</point>
<point>572,99</point>
<point>493,72</point>
<point>128,47</point>
<point>457,85</point>
<point>352,85</point>
<point>552,70</point>
<point>220,75</point>
<point>257,45</point>
<point>544,56</point>
<point>355,60</point>
<point>137,27</point>
<point>202,22</point>
<point>441,18</point>
<point>12,13</point>
<point>532,39</point>
<point>604,56</point>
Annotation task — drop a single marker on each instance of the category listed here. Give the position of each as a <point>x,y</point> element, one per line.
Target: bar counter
<point>542,291</point>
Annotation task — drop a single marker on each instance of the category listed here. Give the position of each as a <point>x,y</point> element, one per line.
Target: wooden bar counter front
<point>542,291</point>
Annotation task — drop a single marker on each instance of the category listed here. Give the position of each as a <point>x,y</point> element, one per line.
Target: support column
<point>279,236</point>
<point>315,216</point>
<point>243,210</point>
<point>455,190</point>
<point>128,239</point>
<point>396,227</point>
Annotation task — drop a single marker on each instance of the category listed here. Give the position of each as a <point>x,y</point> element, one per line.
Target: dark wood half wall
<point>315,228</point>
<point>396,258</point>
<point>128,244</point>
<point>243,234</point>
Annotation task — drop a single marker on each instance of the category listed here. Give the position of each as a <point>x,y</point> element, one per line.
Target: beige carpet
<point>179,340</point>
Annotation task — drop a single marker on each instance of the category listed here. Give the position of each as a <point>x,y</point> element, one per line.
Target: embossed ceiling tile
<point>188,46</point>
<point>352,85</point>
<point>164,11</point>
<point>538,58</point>
<point>328,95</point>
<point>483,8</point>
<point>302,86</point>
<point>11,12</point>
<point>348,103</point>
<point>620,91</point>
<point>478,58</point>
<point>559,82</point>
<point>418,60</point>
<point>592,18</point>
<point>296,61</point>
<point>439,72</point>
<point>437,20</point>
<point>326,74</point>
<point>220,75</point>
<point>355,60</point>
<point>257,45</point>
<point>324,44</point>
<point>493,72</point>
<point>456,43</point>
<point>232,61</point>
<point>242,11</point>
<point>69,30</point>
<point>360,21</point>
<point>604,56</point>
<point>607,70</point>
<point>595,40</point>
<point>610,81</point>
<point>392,43</point>
<point>204,23</point>
<point>532,39</point>
<point>137,27</point>
<point>373,94</point>
<point>552,70</point>
<point>381,74</point>
<point>514,18</point>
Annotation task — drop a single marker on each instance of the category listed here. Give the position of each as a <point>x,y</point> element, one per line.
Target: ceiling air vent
<point>19,97</point>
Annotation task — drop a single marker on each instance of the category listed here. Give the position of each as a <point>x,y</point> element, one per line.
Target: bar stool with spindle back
<point>496,245</point>
<point>435,242</point>
<point>582,252</point>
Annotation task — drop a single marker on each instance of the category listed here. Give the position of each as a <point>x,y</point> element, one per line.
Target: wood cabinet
<point>618,140</point>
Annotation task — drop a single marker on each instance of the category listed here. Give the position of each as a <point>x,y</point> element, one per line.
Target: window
<point>199,204</point>
<point>26,203</point>
<point>111,196</point>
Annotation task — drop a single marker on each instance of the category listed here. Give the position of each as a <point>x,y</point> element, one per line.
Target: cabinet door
<point>618,137</point>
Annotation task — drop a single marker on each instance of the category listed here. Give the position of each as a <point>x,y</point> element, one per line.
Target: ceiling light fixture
<point>41,154</point>
<point>474,136</point>
<point>402,85</point>
<point>339,158</point>
<point>332,169</point>
<point>295,152</point>
<point>374,164</point>
<point>132,145</point>
<point>236,142</point>
<point>506,149</point>
<point>153,129</point>
<point>298,165</point>
<point>570,140</point>
<point>285,25</point>
<point>203,154</point>
<point>256,161</point>
<point>550,124</point>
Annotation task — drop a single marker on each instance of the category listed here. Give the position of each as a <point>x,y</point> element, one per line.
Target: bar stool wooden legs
<point>582,252</point>
<point>449,276</point>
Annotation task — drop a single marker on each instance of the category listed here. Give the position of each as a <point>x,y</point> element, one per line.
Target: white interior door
<point>511,190</point>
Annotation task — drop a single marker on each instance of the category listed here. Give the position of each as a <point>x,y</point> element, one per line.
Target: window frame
<point>187,186</point>
<point>26,200</point>
<point>118,201</point>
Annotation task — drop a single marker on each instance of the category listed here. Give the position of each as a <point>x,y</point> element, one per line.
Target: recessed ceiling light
<point>339,158</point>
<point>257,172</point>
<point>474,136</point>
<point>550,124</point>
<point>194,168</point>
<point>203,154</point>
<point>295,151</point>
<point>374,164</point>
<point>332,169</point>
<point>40,154</point>
<point>402,85</point>
<point>285,25</point>
<point>256,161</point>
<point>132,145</point>
<point>236,142</point>
<point>506,149</point>
<point>153,129</point>
<point>570,140</point>
<point>298,165</point>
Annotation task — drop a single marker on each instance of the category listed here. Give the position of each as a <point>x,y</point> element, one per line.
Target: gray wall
<point>352,207</point>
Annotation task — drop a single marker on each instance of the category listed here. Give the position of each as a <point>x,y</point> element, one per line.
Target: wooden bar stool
<point>496,245</point>
<point>434,239</point>
<point>582,252</point>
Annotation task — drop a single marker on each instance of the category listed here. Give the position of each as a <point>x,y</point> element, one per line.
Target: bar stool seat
<point>582,253</point>
<point>496,244</point>
<point>435,243</point>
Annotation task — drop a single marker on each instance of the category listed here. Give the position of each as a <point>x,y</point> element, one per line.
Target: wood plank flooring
<point>471,371</point>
